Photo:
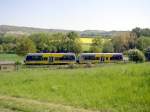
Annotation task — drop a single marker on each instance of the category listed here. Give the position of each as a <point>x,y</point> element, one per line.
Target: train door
<point>50,60</point>
<point>102,59</point>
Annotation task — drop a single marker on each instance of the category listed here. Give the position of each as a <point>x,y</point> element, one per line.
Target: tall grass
<point>123,88</point>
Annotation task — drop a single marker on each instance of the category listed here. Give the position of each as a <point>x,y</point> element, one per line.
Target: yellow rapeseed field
<point>86,40</point>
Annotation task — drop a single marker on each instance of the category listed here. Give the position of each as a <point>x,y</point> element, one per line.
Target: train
<point>71,58</point>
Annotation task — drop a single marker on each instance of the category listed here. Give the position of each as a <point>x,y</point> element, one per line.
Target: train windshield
<point>34,58</point>
<point>117,57</point>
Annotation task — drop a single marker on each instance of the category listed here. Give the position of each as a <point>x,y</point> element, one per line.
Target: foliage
<point>108,47</point>
<point>65,43</point>
<point>8,43</point>
<point>143,43</point>
<point>40,40</point>
<point>25,45</point>
<point>1,48</point>
<point>97,42</point>
<point>73,42</point>
<point>124,41</point>
<point>137,31</point>
<point>106,88</point>
<point>136,55</point>
<point>96,45</point>
<point>95,49</point>
<point>141,32</point>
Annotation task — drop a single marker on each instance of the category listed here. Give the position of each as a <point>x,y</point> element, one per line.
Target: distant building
<point>7,66</point>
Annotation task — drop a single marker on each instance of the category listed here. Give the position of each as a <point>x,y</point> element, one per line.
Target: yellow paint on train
<point>53,54</point>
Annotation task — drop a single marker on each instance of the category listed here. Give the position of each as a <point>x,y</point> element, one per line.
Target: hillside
<point>7,28</point>
<point>28,30</point>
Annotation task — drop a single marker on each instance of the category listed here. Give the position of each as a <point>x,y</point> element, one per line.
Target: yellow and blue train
<point>70,58</point>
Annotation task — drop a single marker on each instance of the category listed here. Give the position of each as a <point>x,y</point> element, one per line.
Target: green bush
<point>136,55</point>
<point>1,48</point>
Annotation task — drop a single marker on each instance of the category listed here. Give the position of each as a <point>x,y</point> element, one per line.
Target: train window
<point>50,59</point>
<point>116,57</point>
<point>45,58</point>
<point>89,57</point>
<point>66,57</point>
<point>106,58</point>
<point>34,58</point>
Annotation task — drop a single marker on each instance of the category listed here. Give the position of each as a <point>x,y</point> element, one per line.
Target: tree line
<point>40,42</point>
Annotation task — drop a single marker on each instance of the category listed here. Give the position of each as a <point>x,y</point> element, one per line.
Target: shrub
<point>136,55</point>
<point>18,63</point>
<point>1,48</point>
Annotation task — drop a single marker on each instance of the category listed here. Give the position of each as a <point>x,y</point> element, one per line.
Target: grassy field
<point>10,57</point>
<point>86,47</point>
<point>109,88</point>
<point>87,41</point>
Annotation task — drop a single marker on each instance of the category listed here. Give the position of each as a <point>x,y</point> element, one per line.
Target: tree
<point>24,46</point>
<point>137,31</point>
<point>69,42</point>
<point>95,49</point>
<point>40,40</point>
<point>8,42</point>
<point>108,47</point>
<point>136,55</point>
<point>72,35</point>
<point>73,42</point>
<point>96,45</point>
<point>145,32</point>
<point>143,43</point>
<point>141,32</point>
<point>124,41</point>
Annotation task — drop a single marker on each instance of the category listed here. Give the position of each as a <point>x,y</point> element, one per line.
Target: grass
<point>10,57</point>
<point>112,87</point>
<point>86,47</point>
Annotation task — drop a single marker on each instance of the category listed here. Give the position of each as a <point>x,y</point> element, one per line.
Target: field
<point>10,57</point>
<point>107,88</point>
<point>87,41</point>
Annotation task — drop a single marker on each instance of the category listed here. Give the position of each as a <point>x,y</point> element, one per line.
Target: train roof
<point>49,53</point>
<point>100,53</point>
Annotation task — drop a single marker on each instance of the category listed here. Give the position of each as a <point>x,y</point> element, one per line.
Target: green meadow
<point>107,88</point>
<point>10,57</point>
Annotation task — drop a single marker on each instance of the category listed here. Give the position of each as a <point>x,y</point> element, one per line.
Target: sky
<point>76,14</point>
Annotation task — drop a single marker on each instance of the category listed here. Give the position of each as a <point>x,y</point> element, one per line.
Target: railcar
<point>50,58</point>
<point>100,57</point>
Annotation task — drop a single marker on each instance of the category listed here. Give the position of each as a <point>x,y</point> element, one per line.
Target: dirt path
<point>27,105</point>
